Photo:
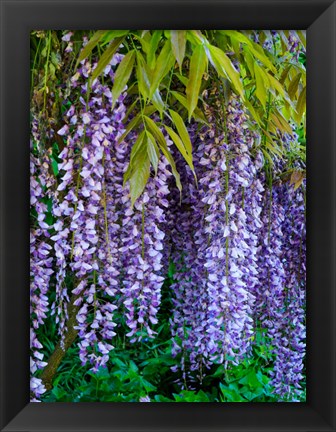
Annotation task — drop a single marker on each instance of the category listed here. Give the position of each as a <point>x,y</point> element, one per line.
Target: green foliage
<point>122,75</point>
<point>144,370</point>
<point>133,374</point>
<point>198,64</point>
<point>169,71</point>
<point>272,86</point>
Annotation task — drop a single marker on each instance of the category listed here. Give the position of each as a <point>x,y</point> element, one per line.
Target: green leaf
<point>147,385</point>
<point>140,174</point>
<point>153,45</point>
<point>122,75</point>
<point>284,74</point>
<point>106,57</point>
<point>262,84</point>
<point>197,114</point>
<point>144,82</point>
<point>249,61</point>
<point>59,393</point>
<point>182,130</point>
<point>294,84</point>
<point>253,112</point>
<point>260,54</point>
<point>238,36</point>
<point>142,76</point>
<point>160,398</point>
<point>250,395</point>
<point>231,393</point>
<point>183,79</point>
<point>131,125</point>
<point>144,40</point>
<point>164,63</point>
<point>196,37</point>
<point>250,46</point>
<point>54,166</point>
<point>160,139</point>
<point>93,42</point>
<point>276,84</point>
<point>132,163</point>
<point>225,68</point>
<point>111,34</point>
<point>301,105</point>
<point>198,65</point>
<point>180,145</point>
<point>281,122</point>
<point>178,41</point>
<point>153,151</point>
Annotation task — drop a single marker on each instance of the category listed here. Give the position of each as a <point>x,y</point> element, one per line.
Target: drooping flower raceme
<point>41,260</point>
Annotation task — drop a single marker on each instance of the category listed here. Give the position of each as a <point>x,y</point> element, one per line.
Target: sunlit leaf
<point>198,114</point>
<point>198,65</point>
<point>183,79</point>
<point>149,109</point>
<point>253,112</point>
<point>195,37</point>
<point>276,85</point>
<point>160,139</point>
<point>131,125</point>
<point>139,143</point>
<point>111,34</point>
<point>164,63</point>
<point>225,68</point>
<point>178,41</point>
<point>262,85</point>
<point>142,76</point>
<point>122,75</point>
<point>297,178</point>
<point>284,74</point>
<point>181,147</point>
<point>140,174</point>
<point>293,86</point>
<point>255,49</point>
<point>106,57</point>
<point>153,151</point>
<point>153,45</point>
<point>144,81</point>
<point>301,105</point>
<point>93,42</point>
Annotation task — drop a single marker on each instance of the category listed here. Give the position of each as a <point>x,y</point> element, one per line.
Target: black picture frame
<point>18,17</point>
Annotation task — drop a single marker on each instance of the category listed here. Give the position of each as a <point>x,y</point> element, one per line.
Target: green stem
<point>268,109</point>
<point>33,68</point>
<point>46,70</point>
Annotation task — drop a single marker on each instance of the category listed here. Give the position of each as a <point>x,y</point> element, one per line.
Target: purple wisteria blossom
<point>142,247</point>
<point>215,247</point>
<point>87,228</point>
<point>41,260</point>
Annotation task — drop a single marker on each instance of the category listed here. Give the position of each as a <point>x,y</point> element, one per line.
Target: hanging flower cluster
<point>41,260</point>
<point>142,246</point>
<point>108,254</point>
<point>215,244</point>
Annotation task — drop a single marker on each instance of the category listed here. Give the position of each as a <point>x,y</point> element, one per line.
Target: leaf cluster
<point>167,72</point>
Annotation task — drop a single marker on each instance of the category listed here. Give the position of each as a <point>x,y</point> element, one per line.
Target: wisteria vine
<point>236,240</point>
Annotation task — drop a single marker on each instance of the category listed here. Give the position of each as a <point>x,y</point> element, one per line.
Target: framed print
<point>181,208</point>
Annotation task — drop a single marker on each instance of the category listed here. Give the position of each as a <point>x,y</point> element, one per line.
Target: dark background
<point>18,18</point>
